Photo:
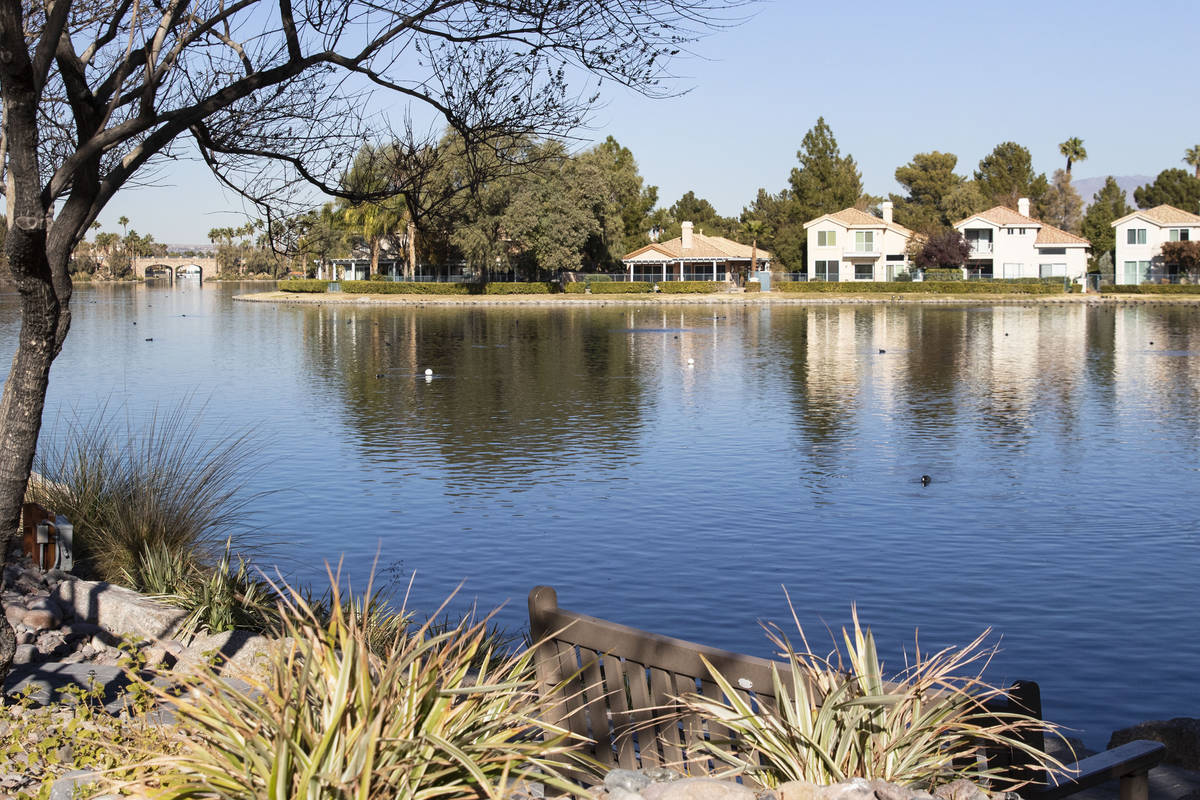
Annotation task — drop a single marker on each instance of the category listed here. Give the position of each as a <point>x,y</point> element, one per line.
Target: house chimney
<point>687,236</point>
<point>1023,206</point>
<point>887,211</point>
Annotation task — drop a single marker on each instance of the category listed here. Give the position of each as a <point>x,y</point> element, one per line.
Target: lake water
<point>579,447</point>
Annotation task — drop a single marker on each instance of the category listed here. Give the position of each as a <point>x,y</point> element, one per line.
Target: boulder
<point>797,790</point>
<point>120,611</point>
<point>698,789</point>
<point>26,654</point>
<point>15,613</point>
<point>1181,736</point>
<point>40,619</point>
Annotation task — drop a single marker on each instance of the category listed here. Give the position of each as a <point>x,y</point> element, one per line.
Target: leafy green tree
<point>702,215</point>
<point>1073,150</point>
<point>1006,174</point>
<point>826,181</point>
<point>623,205</point>
<point>783,228</point>
<point>936,196</point>
<point>1061,205</point>
<point>1192,157</point>
<point>1173,187</point>
<point>381,212</point>
<point>1108,204</point>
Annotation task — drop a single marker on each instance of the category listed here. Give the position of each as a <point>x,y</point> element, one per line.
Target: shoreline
<point>729,299</point>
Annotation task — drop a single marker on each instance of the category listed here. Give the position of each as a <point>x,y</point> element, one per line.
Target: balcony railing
<point>980,247</point>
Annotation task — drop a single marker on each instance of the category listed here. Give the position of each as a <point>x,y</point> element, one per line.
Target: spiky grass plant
<point>163,491</point>
<point>836,717</point>
<point>334,720</point>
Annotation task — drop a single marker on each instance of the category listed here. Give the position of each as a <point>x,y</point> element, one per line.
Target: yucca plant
<point>334,720</point>
<point>836,717</point>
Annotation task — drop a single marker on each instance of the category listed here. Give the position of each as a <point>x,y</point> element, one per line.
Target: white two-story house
<point>1011,244</point>
<point>852,245</point>
<point>1140,237</point>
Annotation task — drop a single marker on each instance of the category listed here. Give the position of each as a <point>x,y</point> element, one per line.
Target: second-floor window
<point>1135,236</point>
<point>826,238</point>
<point>1179,234</point>
<point>864,241</point>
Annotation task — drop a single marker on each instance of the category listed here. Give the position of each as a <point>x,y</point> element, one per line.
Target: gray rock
<point>797,790</point>
<point>660,774</point>
<point>118,610</point>
<point>1181,736</point>
<point>73,784</point>
<point>853,789</point>
<point>81,630</point>
<point>625,779</point>
<point>890,791</point>
<point>702,789</point>
<point>623,794</point>
<point>960,789</point>
<point>26,654</point>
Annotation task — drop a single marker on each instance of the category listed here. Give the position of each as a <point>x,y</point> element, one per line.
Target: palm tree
<point>1191,156</point>
<point>1074,151</point>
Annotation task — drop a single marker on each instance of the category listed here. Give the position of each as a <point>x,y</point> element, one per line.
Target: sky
<point>892,79</point>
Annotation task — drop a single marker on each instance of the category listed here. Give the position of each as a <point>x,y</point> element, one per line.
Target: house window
<point>864,241</point>
<point>1052,270</point>
<point>1135,236</point>
<point>1052,251</point>
<point>864,271</point>
<point>1179,234</point>
<point>825,271</point>
<point>1011,270</point>
<point>1137,271</point>
<point>894,257</point>
<point>826,238</point>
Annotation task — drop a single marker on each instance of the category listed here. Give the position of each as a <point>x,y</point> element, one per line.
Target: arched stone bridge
<point>172,266</point>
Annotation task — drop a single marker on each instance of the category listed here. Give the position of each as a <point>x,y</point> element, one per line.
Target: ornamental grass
<point>838,716</point>
<point>436,714</point>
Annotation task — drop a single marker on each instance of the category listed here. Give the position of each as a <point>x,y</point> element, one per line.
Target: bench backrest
<point>619,683</point>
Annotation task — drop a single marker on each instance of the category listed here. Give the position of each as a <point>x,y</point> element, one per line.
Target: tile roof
<point>1047,233</point>
<point>1164,215</point>
<point>853,217</point>
<point>703,247</point>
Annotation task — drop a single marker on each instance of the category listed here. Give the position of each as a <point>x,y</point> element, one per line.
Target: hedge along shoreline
<point>686,287</point>
<point>303,285</point>
<point>919,287</point>
<point>1151,288</point>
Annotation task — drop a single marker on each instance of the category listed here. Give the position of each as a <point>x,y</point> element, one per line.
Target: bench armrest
<point>1132,760</point>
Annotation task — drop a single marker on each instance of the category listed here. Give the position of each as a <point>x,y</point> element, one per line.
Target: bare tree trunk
<point>412,250</point>
<point>375,256</point>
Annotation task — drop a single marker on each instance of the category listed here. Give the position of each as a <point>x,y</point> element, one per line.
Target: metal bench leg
<point>1135,786</point>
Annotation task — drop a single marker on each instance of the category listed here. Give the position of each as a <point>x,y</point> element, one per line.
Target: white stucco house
<point>852,245</point>
<point>1140,237</point>
<point>692,256</point>
<point>1011,244</point>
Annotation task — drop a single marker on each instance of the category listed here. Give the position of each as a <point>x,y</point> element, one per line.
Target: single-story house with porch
<point>693,257</point>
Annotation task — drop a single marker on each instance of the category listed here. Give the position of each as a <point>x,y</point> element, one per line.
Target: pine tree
<point>1108,204</point>
<point>1006,174</point>
<point>825,181</point>
<point>1061,205</point>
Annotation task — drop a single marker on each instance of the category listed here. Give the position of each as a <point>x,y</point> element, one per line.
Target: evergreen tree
<point>783,228</point>
<point>936,194</point>
<point>1061,205</point>
<point>1173,187</point>
<point>825,181</point>
<point>624,205</point>
<point>1006,175</point>
<point>1108,204</point>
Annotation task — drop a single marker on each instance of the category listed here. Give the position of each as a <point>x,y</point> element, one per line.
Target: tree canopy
<point>826,181</point>
<point>1173,187</point>
<point>1006,174</point>
<point>937,197</point>
<point>1061,205</point>
<point>1108,204</point>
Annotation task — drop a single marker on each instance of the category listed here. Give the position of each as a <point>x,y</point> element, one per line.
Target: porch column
<point>664,266</point>
<point>714,269</point>
<point>631,272</point>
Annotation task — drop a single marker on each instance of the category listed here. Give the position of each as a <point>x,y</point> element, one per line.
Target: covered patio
<point>693,257</point>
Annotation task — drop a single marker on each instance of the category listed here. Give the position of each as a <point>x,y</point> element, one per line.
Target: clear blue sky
<point>891,78</point>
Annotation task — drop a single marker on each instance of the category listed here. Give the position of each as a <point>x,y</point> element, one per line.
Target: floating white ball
<point>428,372</point>
<point>691,361</point>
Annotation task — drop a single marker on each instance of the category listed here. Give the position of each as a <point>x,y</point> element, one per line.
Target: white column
<point>714,269</point>
<point>664,277</point>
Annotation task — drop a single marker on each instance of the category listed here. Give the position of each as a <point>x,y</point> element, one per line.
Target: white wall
<point>1146,253</point>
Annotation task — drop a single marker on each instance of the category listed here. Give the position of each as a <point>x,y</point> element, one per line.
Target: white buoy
<point>691,362</point>
<point>428,372</point>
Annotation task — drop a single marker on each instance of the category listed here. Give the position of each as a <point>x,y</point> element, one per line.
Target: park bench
<point>620,683</point>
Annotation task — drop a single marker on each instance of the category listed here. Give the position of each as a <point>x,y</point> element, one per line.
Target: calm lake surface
<point>578,447</point>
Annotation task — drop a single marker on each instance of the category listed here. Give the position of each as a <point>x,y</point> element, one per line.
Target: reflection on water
<point>674,467</point>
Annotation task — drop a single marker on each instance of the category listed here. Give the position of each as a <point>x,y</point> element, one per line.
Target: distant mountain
<point>1087,187</point>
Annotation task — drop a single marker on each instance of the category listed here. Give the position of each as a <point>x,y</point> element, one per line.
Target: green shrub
<point>917,287</point>
<point>622,287</point>
<point>838,716</point>
<point>333,719</point>
<point>305,285</point>
<point>753,286</point>
<point>520,288</point>
<point>1152,288</point>
<point>940,274</point>
<point>575,288</point>
<point>687,287</point>
<point>162,491</point>
<point>405,287</point>
<point>378,278</point>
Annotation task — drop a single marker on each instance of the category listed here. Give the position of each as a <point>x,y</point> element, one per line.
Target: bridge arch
<point>190,271</point>
<point>206,265</point>
<point>152,271</point>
